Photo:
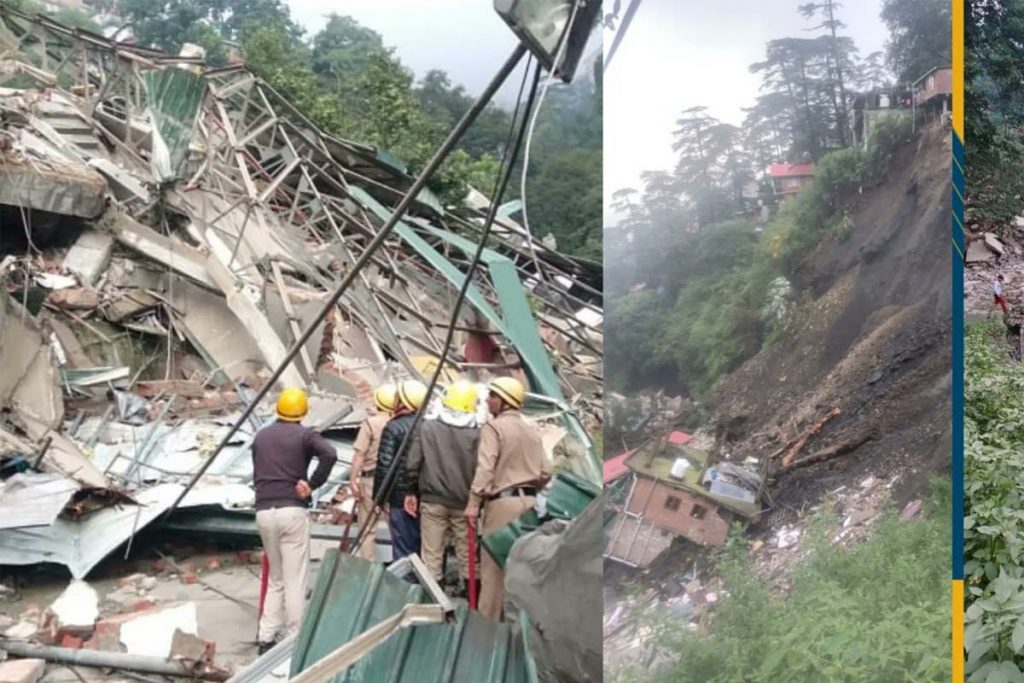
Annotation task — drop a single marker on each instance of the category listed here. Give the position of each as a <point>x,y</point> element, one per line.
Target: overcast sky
<point>466,38</point>
<point>684,53</point>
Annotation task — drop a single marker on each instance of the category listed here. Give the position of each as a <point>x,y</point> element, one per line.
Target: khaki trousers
<point>285,534</point>
<point>497,513</point>
<point>436,521</point>
<point>368,548</point>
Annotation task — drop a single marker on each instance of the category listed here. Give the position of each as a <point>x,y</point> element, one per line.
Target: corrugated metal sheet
<point>174,97</point>
<point>82,544</point>
<point>33,499</point>
<point>352,595</point>
<point>567,498</point>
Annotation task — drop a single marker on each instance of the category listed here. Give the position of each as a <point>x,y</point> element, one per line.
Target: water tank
<point>679,468</point>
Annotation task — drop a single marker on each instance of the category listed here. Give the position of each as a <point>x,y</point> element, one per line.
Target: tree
<point>919,36</point>
<point>838,52</point>
<point>167,24</point>
<point>872,72</point>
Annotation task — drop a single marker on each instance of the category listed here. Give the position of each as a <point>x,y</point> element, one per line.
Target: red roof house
<point>789,179</point>
<point>615,468</point>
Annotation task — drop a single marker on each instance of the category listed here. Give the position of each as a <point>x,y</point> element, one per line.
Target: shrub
<point>994,498</point>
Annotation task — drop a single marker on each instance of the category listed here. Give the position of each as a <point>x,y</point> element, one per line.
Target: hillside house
<point>677,490</point>
<point>867,109</point>
<point>788,179</point>
<point>933,92</point>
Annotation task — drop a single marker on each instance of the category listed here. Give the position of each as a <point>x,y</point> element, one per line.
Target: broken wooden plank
<point>802,441</point>
<point>829,453</point>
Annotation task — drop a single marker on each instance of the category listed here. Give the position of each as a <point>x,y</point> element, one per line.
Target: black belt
<point>515,491</point>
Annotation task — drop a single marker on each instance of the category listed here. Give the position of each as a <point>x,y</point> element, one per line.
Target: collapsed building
<point>168,231</point>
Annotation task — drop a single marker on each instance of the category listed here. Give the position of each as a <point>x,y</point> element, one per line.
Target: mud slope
<point>873,340</point>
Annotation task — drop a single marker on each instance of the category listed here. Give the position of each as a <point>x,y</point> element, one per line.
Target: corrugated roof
<point>33,499</point>
<point>616,467</point>
<point>791,170</point>
<point>352,595</point>
<point>680,438</point>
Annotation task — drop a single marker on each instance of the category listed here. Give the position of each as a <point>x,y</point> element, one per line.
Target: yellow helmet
<point>508,390</point>
<point>384,398</point>
<point>292,405</point>
<point>461,397</point>
<point>412,393</point>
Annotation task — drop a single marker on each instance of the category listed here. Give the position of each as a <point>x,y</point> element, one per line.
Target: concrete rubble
<point>150,289</point>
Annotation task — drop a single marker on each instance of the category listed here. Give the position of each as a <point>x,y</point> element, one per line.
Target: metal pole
<point>111,660</point>
<point>439,156</point>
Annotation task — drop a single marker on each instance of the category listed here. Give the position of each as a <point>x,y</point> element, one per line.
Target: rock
<point>149,583</point>
<point>22,670</point>
<point>912,508</point>
<point>993,243</point>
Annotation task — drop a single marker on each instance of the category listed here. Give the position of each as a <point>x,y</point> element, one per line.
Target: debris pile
<point>169,232</point>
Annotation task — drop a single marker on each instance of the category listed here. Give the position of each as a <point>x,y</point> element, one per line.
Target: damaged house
<point>169,231</point>
<point>677,490</point>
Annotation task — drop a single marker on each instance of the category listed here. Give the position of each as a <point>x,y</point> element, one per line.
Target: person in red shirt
<point>999,294</point>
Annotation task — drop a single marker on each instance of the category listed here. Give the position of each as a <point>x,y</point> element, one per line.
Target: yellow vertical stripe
<point>958,631</point>
<point>958,68</point>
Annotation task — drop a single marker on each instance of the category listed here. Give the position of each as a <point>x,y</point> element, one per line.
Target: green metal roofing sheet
<point>352,595</point>
<point>567,498</point>
<point>174,96</point>
<point>516,320</point>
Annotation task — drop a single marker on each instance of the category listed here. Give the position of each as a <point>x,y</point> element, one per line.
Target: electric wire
<point>510,155</point>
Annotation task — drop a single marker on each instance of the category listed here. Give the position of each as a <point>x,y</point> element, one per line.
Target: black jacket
<point>390,440</point>
<point>442,462</point>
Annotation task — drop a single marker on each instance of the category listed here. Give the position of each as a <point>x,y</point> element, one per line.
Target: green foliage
<point>919,36</point>
<point>994,498</point>
<point>878,611</point>
<point>565,198</point>
<point>994,110</point>
<point>347,82</point>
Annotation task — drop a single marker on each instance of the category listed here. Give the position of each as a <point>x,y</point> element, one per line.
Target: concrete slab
<point>90,255</point>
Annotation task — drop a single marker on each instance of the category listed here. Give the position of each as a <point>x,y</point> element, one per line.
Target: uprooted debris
<point>167,256</point>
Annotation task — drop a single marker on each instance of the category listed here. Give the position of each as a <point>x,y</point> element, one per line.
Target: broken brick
<point>190,578</point>
<point>213,563</point>
<point>72,642</point>
<point>244,556</point>
<point>143,605</point>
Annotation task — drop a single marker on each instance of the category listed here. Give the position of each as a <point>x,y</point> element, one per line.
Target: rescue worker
<point>440,469</point>
<point>364,462</point>
<point>281,455</point>
<point>405,529</point>
<point>511,469</point>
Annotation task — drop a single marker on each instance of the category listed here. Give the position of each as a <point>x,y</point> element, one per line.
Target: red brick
<point>143,606</point>
<point>213,563</point>
<point>72,642</point>
<point>652,501</point>
<point>244,556</point>
<point>190,577</point>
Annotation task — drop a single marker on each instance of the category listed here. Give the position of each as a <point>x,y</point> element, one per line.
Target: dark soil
<point>874,341</point>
